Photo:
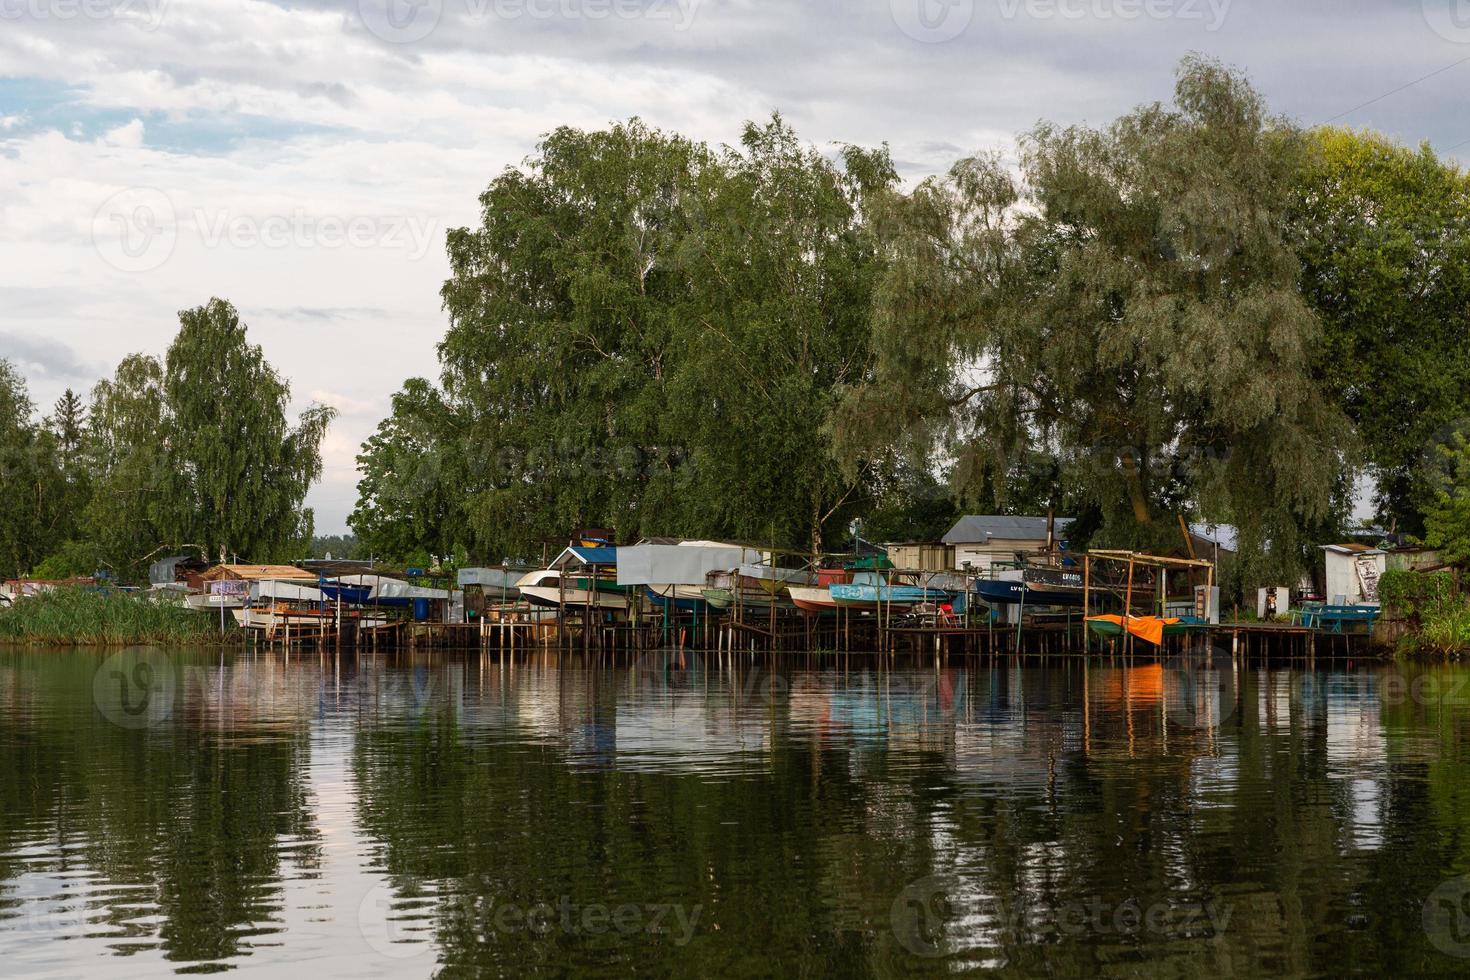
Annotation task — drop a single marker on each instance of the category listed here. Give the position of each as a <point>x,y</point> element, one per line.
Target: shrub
<point>1415,595</point>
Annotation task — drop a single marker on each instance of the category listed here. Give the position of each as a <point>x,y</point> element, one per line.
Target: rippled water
<point>462,816</point>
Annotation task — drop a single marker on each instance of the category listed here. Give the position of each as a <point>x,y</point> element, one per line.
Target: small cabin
<point>925,556</point>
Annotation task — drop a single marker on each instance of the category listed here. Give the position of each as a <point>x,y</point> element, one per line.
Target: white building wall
<point>982,555</point>
<point>1342,576</point>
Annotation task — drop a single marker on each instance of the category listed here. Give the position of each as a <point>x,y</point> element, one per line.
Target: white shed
<point>1352,572</point>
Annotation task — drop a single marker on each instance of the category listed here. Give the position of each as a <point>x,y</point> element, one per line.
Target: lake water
<point>192,812</point>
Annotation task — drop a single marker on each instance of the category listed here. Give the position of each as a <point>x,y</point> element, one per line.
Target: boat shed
<point>982,540</point>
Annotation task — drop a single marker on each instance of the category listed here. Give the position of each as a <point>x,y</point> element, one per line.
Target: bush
<point>85,616</point>
<point>1416,595</point>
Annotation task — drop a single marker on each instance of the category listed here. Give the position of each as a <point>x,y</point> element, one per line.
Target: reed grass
<point>92,617</point>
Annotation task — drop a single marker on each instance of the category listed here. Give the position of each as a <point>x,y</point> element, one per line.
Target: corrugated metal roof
<point>975,529</point>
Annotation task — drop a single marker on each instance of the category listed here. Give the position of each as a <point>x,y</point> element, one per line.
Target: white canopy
<point>272,589</point>
<point>679,564</point>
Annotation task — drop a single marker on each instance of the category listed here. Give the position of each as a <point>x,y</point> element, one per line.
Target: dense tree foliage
<point>34,517</point>
<point>193,452</point>
<point>410,495</point>
<point>1128,307</point>
<point>646,334</point>
<point>239,471</point>
<point>1198,311</point>
<point>1384,240</point>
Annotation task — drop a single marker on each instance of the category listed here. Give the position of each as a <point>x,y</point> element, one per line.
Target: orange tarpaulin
<point>1150,628</point>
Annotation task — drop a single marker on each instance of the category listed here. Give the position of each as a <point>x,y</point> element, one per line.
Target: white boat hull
<point>551,595</point>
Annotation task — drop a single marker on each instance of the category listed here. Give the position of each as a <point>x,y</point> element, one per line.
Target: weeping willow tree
<point>1127,305</point>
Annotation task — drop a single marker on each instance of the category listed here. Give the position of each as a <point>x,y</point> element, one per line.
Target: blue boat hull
<point>1001,590</point>
<point>347,593</point>
<point>899,595</point>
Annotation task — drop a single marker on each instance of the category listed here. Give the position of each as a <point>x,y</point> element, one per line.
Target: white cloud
<point>129,135</point>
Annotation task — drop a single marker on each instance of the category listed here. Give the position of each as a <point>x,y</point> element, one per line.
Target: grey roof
<point>1222,534</point>
<point>977,529</point>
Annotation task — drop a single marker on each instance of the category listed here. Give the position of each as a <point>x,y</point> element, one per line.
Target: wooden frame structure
<point>1133,559</point>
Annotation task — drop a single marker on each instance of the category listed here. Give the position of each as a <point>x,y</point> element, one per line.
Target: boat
<point>377,590</point>
<point>1035,586</point>
<point>723,590</point>
<point>684,598</point>
<point>1150,628</point>
<point>278,615</point>
<point>546,588</point>
<point>812,598</point>
<point>869,590</point>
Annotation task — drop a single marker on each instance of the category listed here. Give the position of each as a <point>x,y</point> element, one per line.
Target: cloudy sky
<point>304,160</point>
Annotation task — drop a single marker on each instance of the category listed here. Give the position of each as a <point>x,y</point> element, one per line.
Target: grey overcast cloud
<point>304,161</point>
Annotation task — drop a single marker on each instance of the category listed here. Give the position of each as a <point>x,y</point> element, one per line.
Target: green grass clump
<point>95,617</point>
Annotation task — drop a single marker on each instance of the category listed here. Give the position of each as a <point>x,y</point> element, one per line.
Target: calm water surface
<point>458,816</point>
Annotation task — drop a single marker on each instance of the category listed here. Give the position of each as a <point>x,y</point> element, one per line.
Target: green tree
<point>563,309</point>
<point>780,270</point>
<point>239,470</point>
<point>35,516</point>
<point>410,493</point>
<point>126,519</point>
<point>634,313</point>
<point>68,422</point>
<point>1447,518</point>
<point>1384,240</point>
<point>1130,306</point>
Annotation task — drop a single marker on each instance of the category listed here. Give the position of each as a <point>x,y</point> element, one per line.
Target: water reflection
<point>693,814</point>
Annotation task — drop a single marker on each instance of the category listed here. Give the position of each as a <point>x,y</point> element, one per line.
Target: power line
<point>1380,98</point>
